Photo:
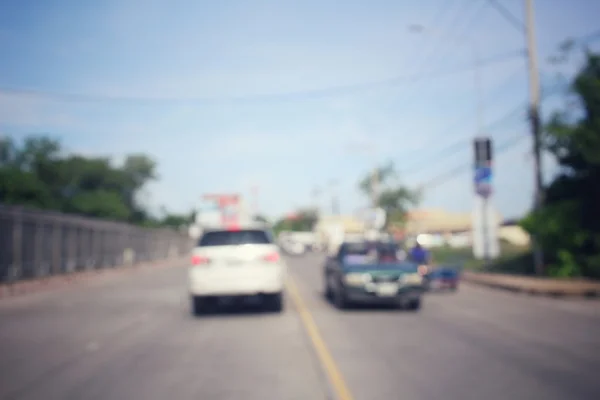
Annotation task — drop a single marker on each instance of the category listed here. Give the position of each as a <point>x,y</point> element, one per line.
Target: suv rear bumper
<point>236,286</point>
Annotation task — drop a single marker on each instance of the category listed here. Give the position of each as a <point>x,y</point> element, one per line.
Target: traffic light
<point>483,151</point>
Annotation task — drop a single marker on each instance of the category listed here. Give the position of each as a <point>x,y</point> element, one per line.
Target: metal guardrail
<point>37,244</point>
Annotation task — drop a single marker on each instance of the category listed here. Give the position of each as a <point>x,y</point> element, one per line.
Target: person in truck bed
<point>419,254</point>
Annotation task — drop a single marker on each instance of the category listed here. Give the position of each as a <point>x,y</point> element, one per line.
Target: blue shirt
<point>419,255</point>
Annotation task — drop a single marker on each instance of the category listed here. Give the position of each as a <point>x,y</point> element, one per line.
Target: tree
<point>7,151</point>
<point>24,188</point>
<point>261,219</point>
<point>37,173</point>
<point>173,220</point>
<point>568,224</point>
<point>393,197</point>
<point>100,204</point>
<point>137,171</point>
<point>301,221</point>
<point>23,171</point>
<point>81,179</point>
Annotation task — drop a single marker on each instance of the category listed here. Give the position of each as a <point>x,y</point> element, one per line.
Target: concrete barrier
<point>535,286</point>
<point>57,281</point>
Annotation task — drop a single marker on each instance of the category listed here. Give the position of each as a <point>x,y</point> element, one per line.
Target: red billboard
<point>229,206</point>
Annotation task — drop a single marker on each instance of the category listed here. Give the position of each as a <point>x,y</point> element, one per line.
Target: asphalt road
<point>134,338</point>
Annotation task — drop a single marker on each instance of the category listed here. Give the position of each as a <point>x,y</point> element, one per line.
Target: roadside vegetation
<point>394,197</point>
<point>513,259</point>
<point>39,173</point>
<point>301,221</point>
<point>568,223</point>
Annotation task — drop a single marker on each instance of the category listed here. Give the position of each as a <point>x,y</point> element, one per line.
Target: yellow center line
<point>329,365</point>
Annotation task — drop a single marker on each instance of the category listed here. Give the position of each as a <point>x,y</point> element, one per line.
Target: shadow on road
<point>359,308</point>
<point>234,309</point>
<point>440,292</point>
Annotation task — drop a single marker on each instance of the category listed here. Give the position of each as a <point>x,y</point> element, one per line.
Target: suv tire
<point>199,306</point>
<point>274,302</point>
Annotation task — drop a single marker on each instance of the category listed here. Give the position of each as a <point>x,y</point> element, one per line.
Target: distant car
<point>441,278</point>
<point>236,263</point>
<point>363,272</point>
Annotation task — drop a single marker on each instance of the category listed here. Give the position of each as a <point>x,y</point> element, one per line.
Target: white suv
<point>236,263</point>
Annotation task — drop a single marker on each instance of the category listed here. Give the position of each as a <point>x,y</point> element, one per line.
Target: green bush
<point>513,259</point>
<point>567,226</point>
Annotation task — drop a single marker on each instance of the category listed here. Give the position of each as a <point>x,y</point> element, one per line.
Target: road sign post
<point>484,236</point>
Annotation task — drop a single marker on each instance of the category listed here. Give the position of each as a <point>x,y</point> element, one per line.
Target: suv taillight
<point>271,257</point>
<point>199,260</point>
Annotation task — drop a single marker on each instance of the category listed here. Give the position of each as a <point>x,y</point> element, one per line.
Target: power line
<point>436,20</point>
<point>508,16</point>
<point>582,40</point>
<point>428,60</point>
<point>318,93</point>
<point>450,174</point>
<point>454,126</point>
<point>546,92</point>
<point>465,30</point>
<point>463,143</point>
<point>442,54</point>
<point>458,146</point>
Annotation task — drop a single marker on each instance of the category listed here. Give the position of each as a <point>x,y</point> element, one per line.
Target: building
<point>438,227</point>
<point>347,224</point>
<point>444,227</point>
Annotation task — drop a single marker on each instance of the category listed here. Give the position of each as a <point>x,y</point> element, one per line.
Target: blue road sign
<point>483,175</point>
<point>483,181</point>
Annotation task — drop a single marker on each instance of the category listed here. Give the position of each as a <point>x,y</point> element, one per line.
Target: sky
<point>288,96</point>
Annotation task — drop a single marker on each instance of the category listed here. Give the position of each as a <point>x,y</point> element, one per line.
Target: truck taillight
<point>199,260</point>
<point>271,257</point>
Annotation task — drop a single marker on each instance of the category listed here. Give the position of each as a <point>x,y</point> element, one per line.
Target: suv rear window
<point>229,238</point>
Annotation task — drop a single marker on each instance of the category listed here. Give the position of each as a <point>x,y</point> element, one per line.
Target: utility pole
<point>374,187</point>
<point>335,209</point>
<point>534,117</point>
